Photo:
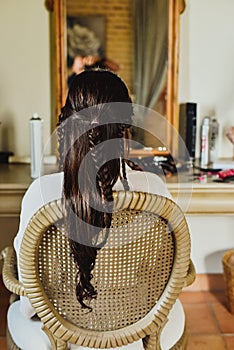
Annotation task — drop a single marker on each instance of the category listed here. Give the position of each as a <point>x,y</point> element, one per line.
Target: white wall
<point>207,63</point>
<point>211,237</point>
<point>24,71</point>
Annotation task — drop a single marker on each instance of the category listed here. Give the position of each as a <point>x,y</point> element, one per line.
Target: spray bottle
<point>35,127</point>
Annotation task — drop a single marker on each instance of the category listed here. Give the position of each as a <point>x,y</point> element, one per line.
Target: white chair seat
<point>27,333</point>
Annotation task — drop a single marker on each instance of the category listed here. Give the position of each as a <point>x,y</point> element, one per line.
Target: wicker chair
<point>138,276</point>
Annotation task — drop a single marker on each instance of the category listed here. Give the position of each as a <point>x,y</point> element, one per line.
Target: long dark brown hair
<point>92,130</point>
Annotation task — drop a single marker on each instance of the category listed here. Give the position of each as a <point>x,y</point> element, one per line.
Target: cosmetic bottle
<point>35,127</point>
<point>205,143</point>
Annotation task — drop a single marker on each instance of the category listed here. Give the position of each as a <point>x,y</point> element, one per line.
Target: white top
<point>49,187</point>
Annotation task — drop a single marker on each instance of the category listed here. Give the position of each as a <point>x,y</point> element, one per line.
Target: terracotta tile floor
<point>210,325</point>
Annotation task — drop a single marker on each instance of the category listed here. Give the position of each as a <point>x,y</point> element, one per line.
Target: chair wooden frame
<point>59,330</point>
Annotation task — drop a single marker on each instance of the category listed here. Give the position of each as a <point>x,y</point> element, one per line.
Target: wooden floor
<point>210,325</point>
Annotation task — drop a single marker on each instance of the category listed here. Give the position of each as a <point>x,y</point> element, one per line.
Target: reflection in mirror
<point>86,44</point>
<point>150,42</point>
<point>105,30</point>
<point>127,37</point>
<point>120,48</point>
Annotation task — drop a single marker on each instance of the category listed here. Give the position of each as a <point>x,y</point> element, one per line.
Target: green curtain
<point>150,32</point>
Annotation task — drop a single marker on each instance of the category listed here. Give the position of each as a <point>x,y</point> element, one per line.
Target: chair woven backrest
<point>146,245</point>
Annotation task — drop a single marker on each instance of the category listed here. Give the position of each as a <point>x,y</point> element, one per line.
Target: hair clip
<point>94,123</point>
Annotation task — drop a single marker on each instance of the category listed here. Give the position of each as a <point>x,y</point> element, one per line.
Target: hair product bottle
<point>35,127</point>
<point>205,143</point>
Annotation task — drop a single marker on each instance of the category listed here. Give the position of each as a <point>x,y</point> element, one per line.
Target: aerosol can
<point>209,132</point>
<point>35,127</point>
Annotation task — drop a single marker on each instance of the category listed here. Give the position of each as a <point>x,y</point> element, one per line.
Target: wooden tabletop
<point>194,197</point>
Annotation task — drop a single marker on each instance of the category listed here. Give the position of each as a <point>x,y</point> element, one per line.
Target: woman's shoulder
<point>47,179</point>
<point>145,175</point>
<point>45,186</point>
<point>147,182</point>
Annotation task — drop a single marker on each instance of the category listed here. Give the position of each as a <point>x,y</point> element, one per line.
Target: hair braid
<point>60,133</point>
<point>105,176</point>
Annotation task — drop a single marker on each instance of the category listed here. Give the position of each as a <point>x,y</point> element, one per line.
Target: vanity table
<point>204,197</point>
<point>14,181</point>
<point>209,209</point>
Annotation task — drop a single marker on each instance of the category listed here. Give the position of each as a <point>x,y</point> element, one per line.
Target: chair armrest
<point>9,272</point>
<point>191,275</point>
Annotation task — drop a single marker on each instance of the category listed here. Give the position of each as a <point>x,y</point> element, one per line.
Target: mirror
<point>63,8</point>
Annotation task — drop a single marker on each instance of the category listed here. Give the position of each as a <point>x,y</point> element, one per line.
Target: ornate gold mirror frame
<point>58,13</point>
